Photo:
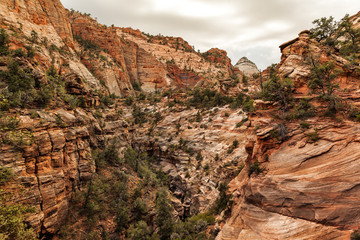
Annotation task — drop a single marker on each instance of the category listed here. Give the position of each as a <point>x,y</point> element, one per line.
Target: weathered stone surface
<point>247,67</point>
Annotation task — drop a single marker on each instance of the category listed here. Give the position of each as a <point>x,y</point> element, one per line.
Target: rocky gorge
<point>87,87</point>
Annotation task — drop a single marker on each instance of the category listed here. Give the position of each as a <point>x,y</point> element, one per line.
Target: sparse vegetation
<point>278,90</point>
<point>256,168</point>
<point>313,136</point>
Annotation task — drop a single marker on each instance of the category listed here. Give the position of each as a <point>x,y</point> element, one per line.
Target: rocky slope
<point>93,61</point>
<point>289,179</point>
<point>211,65</point>
<point>308,184</point>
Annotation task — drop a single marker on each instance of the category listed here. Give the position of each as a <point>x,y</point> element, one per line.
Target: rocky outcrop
<point>310,186</point>
<point>218,56</point>
<point>247,67</point>
<point>307,178</point>
<point>57,162</point>
<point>47,18</point>
<point>176,51</point>
<point>184,79</point>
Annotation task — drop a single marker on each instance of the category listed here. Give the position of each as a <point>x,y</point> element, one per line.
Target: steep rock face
<point>88,29</point>
<point>247,67</point>
<point>136,65</point>
<point>308,189</point>
<point>177,51</point>
<point>309,179</point>
<point>47,18</point>
<point>298,55</point>
<point>184,79</point>
<point>356,20</point>
<point>58,161</point>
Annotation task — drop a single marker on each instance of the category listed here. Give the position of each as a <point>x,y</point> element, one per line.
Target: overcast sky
<point>251,28</point>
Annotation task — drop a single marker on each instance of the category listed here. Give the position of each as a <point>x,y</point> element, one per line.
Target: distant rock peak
<point>247,67</point>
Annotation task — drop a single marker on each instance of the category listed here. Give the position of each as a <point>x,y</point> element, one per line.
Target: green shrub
<point>12,218</point>
<point>255,168</point>
<point>355,235</point>
<point>136,86</point>
<point>129,101</point>
<point>122,218</point>
<point>278,90</point>
<point>208,98</point>
<point>223,199</point>
<point>4,42</point>
<point>199,157</point>
<point>322,77</point>
<point>313,136</point>
<point>106,100</point>
<point>235,144</point>
<point>354,114</point>
<point>30,52</point>
<point>16,78</point>
<point>87,44</point>
<point>6,174</point>
<point>305,125</point>
<point>17,138</point>
<point>239,124</point>
<point>44,96</point>
<point>164,219</point>
<point>8,123</point>
<point>139,209</point>
<point>108,155</point>
<point>19,52</point>
<point>198,117</point>
<point>34,36</point>
<point>140,231</point>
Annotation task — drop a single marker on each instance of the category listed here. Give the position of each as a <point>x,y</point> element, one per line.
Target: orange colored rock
<point>33,14</point>
<point>185,79</point>
<point>219,56</point>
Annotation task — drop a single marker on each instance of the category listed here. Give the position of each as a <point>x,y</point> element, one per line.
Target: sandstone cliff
<point>306,185</point>
<point>290,179</point>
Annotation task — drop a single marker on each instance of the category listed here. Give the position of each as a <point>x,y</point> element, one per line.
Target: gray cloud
<point>252,28</point>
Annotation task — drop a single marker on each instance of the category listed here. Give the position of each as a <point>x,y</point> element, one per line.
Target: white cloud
<point>252,28</point>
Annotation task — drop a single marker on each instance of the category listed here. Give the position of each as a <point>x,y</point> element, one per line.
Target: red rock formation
<point>136,65</point>
<point>219,56</point>
<point>39,12</point>
<point>308,188</point>
<point>184,79</point>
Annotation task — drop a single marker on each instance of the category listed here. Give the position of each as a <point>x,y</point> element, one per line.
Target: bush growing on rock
<point>4,42</point>
<point>140,231</point>
<point>255,168</point>
<point>324,30</point>
<point>322,78</point>
<point>109,155</point>
<point>278,90</point>
<point>355,235</point>
<point>223,199</point>
<point>6,174</point>
<point>12,217</point>
<point>164,219</point>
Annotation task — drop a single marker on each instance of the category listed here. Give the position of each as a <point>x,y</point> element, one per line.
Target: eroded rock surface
<point>247,67</point>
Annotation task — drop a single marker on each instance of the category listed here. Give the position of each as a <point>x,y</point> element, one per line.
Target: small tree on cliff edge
<point>322,81</point>
<point>324,30</point>
<point>352,36</point>
<point>164,219</point>
<point>278,90</point>
<point>4,42</point>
